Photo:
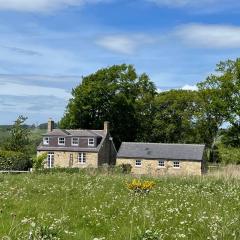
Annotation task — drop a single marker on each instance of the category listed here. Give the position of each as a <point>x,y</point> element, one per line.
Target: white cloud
<point>124,44</point>
<point>190,87</point>
<point>12,89</point>
<point>41,5</point>
<point>210,36</point>
<point>36,79</point>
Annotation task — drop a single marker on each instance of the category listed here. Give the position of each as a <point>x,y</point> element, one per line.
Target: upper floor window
<point>46,140</point>
<point>176,164</point>
<point>61,141</point>
<point>82,158</point>
<point>91,142</point>
<point>161,163</point>
<point>75,141</point>
<point>138,163</point>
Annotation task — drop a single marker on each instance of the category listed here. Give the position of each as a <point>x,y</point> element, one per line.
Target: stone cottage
<point>78,148</point>
<point>159,158</point>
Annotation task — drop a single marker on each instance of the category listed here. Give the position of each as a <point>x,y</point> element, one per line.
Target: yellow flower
<point>138,186</point>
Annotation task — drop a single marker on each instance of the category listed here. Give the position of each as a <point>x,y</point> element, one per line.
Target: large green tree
<point>174,118</point>
<point>220,95</point>
<point>117,94</point>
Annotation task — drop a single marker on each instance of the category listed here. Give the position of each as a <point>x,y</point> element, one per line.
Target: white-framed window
<point>75,141</point>
<point>46,141</point>
<point>161,163</point>
<point>61,141</point>
<point>50,160</point>
<point>82,158</point>
<point>91,142</point>
<point>176,164</point>
<point>138,163</point>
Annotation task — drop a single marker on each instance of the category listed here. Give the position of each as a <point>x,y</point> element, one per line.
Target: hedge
<point>10,160</point>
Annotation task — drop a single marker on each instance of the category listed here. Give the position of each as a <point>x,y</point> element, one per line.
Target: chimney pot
<point>106,127</point>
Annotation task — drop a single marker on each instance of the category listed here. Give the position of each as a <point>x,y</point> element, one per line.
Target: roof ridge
<point>80,129</point>
<point>193,144</point>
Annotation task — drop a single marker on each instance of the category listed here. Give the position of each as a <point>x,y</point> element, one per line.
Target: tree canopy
<point>19,136</point>
<point>175,117</point>
<point>138,113</point>
<point>117,94</point>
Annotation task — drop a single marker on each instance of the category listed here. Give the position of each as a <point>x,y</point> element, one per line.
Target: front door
<point>50,162</point>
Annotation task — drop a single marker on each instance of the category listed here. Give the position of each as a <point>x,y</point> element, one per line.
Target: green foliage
<point>125,168</point>
<point>10,160</point>
<point>19,136</point>
<point>174,119</point>
<point>116,94</point>
<point>38,161</point>
<point>231,136</point>
<point>229,155</point>
<point>214,155</point>
<point>149,234</point>
<point>59,170</point>
<point>221,99</point>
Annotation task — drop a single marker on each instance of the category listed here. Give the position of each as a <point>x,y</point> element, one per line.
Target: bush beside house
<point>10,160</point>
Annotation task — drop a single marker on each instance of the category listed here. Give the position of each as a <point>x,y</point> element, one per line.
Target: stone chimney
<point>50,125</point>
<point>106,127</point>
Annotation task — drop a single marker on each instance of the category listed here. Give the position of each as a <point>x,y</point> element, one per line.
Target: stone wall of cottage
<point>62,159</point>
<point>150,167</point>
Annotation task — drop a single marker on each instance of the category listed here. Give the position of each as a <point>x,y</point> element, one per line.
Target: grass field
<point>99,206</point>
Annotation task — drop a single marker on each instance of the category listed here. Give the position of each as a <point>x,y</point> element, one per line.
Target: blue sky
<point>47,45</point>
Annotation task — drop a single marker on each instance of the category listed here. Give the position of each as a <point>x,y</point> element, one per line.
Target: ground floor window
<point>176,164</point>
<point>50,160</point>
<point>138,163</point>
<point>161,163</point>
<point>82,158</point>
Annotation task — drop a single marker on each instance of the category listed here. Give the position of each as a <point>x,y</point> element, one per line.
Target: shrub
<point>10,160</point>
<point>38,161</point>
<point>125,168</point>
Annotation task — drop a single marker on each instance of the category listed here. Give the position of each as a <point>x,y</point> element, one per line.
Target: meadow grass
<point>87,206</point>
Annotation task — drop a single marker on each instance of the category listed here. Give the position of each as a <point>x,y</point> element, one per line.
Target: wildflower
<point>138,186</point>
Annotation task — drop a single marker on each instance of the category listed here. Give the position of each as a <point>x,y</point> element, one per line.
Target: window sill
<point>161,167</point>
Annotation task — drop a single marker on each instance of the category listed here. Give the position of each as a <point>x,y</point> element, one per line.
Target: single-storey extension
<point>161,158</point>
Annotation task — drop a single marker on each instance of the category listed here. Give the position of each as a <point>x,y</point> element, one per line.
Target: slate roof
<point>161,151</point>
<point>77,133</point>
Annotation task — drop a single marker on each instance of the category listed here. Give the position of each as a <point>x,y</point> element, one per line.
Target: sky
<point>46,46</point>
